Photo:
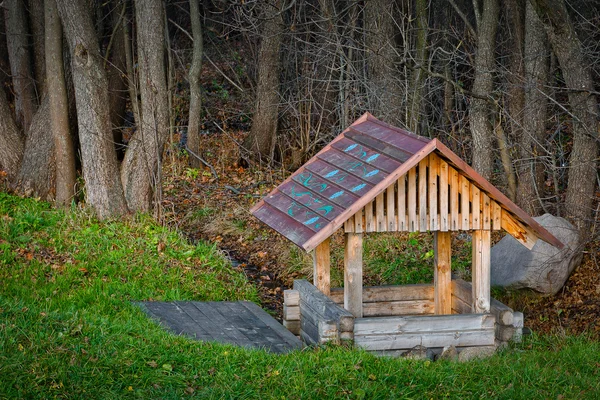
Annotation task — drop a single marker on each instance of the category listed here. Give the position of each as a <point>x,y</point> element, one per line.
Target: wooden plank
<point>465,202</point>
<point>346,163</point>
<point>434,169</point>
<point>315,202</point>
<point>321,306</point>
<point>292,326</point>
<point>353,274</point>
<point>423,217</point>
<point>454,188</point>
<point>496,216</point>
<point>369,220</point>
<point>476,207</point>
<point>481,337</point>
<point>291,313</point>
<point>463,291</point>
<point>390,197</point>
<point>333,175</point>
<point>296,211</point>
<point>406,142</point>
<point>373,294</point>
<point>286,226</point>
<point>443,189</point>
<point>358,221</point>
<point>459,306</point>
<point>384,148</point>
<point>291,297</point>
<point>214,318</point>
<point>402,223</point>
<point>349,224</point>
<point>481,271</point>
<point>391,308</point>
<point>329,190</point>
<point>322,266</point>
<point>380,213</point>
<point>486,214</point>
<point>174,318</point>
<point>366,154</point>
<point>517,230</point>
<point>442,273</point>
<point>413,222</point>
<point>422,324</point>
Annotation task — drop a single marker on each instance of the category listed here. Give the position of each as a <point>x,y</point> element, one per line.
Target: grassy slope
<point>67,328</point>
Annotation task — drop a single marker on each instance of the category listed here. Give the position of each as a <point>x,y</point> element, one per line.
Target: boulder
<point>544,268</point>
<point>474,353</point>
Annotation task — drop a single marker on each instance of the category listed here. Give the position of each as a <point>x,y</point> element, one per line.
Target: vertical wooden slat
<point>433,191</point>
<point>380,215</point>
<point>390,197</point>
<point>475,209</point>
<point>358,221</point>
<point>321,267</point>
<point>465,195</point>
<point>486,215</point>
<point>496,216</point>
<point>349,224</point>
<point>481,271</point>
<point>443,195</point>
<point>402,204</point>
<point>413,222</point>
<point>353,274</point>
<point>423,220</point>
<point>369,223</point>
<point>453,177</point>
<point>442,280</point>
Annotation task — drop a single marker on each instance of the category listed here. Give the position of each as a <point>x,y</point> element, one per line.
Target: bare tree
<point>12,141</point>
<point>195,91</point>
<point>64,152</point>
<point>584,109</point>
<point>36,18</point>
<point>104,191</point>
<point>141,168</point>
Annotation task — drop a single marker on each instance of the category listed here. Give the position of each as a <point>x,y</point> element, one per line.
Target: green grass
<point>68,330</point>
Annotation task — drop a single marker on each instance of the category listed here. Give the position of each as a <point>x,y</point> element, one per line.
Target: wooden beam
<point>402,204</point>
<point>442,280</point>
<point>517,230</point>
<point>465,201</point>
<point>353,290</point>
<point>433,191</point>
<point>454,188</point>
<point>480,271</point>
<point>443,196</point>
<point>322,266</point>
<point>390,197</point>
<point>381,223</point>
<point>413,222</point>
<point>423,220</point>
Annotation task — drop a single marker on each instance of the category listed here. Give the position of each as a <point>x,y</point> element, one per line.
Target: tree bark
<point>117,81</point>
<point>104,191</point>
<point>12,142</point>
<point>37,174</point>
<point>64,152</point>
<point>194,80</point>
<point>261,139</point>
<point>417,99</point>
<point>140,171</point>
<point>36,14</point>
<point>4,64</point>
<point>530,167</point>
<point>385,93</point>
<point>584,109</point>
<point>480,112</point>
<point>20,62</point>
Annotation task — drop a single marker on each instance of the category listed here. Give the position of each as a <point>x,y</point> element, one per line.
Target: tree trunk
<point>141,167</point>
<point>261,139</point>
<point>104,191</point>
<point>584,108</point>
<point>20,62</point>
<point>4,64</point>
<point>117,81</point>
<point>480,112</point>
<point>194,80</point>
<point>132,81</point>
<point>12,142</point>
<point>37,174</point>
<point>417,99</point>
<point>36,14</point>
<point>531,168</point>
<point>64,152</point>
<point>384,91</point>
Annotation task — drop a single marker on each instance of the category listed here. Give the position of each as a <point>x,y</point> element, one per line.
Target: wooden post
<point>353,274</point>
<point>442,280</point>
<point>321,271</point>
<point>481,271</point>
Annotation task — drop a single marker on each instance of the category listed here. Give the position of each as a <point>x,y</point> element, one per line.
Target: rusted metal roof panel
<point>351,171</point>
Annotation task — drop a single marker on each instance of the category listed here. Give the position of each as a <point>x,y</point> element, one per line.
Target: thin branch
<point>463,16</point>
<point>202,161</point>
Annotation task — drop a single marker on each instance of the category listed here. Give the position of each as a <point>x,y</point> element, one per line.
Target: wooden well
<point>377,178</point>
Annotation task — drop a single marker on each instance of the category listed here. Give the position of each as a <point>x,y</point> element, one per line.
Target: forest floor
<point>217,210</point>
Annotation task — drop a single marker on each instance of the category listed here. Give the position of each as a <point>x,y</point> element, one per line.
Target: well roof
<point>351,171</point>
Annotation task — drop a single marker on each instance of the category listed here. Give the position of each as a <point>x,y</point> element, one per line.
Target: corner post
<point>353,292</point>
<point>322,267</point>
<point>481,271</point>
<point>442,280</point>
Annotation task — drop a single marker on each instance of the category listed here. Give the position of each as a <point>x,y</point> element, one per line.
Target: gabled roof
<point>350,172</point>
